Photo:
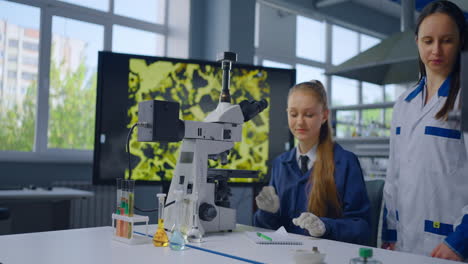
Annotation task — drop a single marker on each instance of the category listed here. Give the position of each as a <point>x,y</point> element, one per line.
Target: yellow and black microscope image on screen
<point>196,87</point>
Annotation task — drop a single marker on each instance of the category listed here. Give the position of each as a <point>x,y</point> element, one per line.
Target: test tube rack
<point>134,238</point>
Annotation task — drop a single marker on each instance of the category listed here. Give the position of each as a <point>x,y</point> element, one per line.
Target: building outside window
<point>48,105</point>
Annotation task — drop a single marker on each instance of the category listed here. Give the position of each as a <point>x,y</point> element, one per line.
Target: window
<point>134,9</point>
<point>393,91</point>
<point>11,74</point>
<point>346,124</point>
<point>11,87</point>
<point>344,91</point>
<point>73,71</point>
<point>307,73</point>
<point>102,5</point>
<point>31,46</point>
<point>372,124</point>
<point>28,76</point>
<point>13,43</point>
<point>372,93</point>
<point>24,88</point>
<point>317,46</point>
<point>73,34</point>
<point>30,61</point>
<point>274,64</point>
<point>310,39</point>
<point>344,44</point>
<point>388,121</point>
<point>367,42</point>
<point>148,43</point>
<point>17,113</point>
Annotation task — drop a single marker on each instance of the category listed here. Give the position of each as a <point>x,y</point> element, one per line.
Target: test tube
<point>131,196</point>
<point>119,193</point>
<point>124,198</point>
<point>124,208</point>
<point>118,225</point>
<point>131,201</point>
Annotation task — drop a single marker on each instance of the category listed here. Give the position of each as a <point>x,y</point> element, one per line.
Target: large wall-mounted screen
<point>125,80</point>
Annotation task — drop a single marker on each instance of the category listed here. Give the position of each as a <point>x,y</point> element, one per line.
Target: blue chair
<point>375,193</point>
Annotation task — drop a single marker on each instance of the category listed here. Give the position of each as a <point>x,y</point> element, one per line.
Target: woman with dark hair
<point>426,189</point>
<point>317,188</point>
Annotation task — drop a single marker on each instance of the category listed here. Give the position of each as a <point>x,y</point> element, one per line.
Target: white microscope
<point>203,188</point>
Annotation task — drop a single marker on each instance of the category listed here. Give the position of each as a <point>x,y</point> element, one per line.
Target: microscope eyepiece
<point>252,108</point>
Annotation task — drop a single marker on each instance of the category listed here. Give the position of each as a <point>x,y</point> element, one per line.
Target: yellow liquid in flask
<point>160,238</point>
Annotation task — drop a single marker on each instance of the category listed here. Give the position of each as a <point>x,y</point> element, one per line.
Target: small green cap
<point>365,252</point>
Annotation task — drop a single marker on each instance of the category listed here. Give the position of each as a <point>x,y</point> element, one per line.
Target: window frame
<point>263,54</point>
<point>49,9</point>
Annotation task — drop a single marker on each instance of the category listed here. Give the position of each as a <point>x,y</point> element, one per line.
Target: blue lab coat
<point>426,188</point>
<point>292,188</point>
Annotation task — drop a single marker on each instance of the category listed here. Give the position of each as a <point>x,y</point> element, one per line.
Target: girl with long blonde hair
<point>317,188</point>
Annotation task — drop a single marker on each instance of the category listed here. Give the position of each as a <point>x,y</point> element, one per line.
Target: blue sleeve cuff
<point>388,235</point>
<point>328,227</point>
<point>454,250</point>
<point>265,219</point>
<point>458,242</point>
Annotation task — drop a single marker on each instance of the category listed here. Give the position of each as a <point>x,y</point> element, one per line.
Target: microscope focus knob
<point>207,212</point>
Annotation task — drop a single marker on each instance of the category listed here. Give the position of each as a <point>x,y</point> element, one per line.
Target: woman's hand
<point>444,252</point>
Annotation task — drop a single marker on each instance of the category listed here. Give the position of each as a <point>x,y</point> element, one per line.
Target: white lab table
<point>95,245</point>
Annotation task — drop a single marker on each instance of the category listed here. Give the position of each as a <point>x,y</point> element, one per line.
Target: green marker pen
<point>264,237</point>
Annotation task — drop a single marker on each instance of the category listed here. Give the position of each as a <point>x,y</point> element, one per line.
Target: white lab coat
<point>426,189</point>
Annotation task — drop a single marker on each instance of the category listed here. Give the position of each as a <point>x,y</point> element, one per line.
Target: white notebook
<point>279,237</point>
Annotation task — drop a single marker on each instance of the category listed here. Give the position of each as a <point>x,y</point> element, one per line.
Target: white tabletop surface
<point>57,193</point>
<point>95,245</point>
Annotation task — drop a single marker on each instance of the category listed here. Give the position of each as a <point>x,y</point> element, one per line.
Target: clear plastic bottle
<point>177,241</point>
<point>365,257</point>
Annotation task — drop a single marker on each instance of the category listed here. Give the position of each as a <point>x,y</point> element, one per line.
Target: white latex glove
<point>312,223</point>
<point>267,200</point>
